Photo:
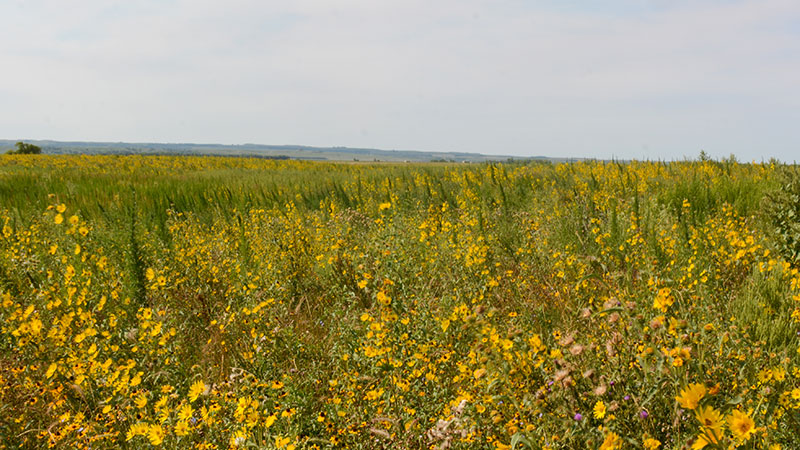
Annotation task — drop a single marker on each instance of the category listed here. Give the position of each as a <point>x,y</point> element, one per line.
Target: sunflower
<point>611,442</point>
<point>195,390</point>
<point>709,418</point>
<point>651,444</point>
<point>690,397</point>
<point>710,427</point>
<point>741,425</point>
<point>156,435</point>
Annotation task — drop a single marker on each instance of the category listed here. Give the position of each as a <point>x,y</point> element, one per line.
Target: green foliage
<point>25,149</point>
<point>783,211</point>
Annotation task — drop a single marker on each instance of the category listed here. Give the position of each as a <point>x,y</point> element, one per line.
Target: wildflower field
<point>190,302</point>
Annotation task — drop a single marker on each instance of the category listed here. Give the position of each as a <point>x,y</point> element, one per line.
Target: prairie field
<point>204,302</point>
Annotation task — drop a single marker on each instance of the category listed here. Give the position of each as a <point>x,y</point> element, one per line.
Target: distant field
<point>219,302</point>
<point>263,151</point>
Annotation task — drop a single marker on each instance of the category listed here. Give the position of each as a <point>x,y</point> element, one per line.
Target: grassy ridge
<point>190,302</point>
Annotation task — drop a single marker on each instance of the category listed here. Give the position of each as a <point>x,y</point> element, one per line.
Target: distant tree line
<point>25,149</point>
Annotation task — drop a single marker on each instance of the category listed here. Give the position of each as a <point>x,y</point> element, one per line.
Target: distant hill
<point>263,151</point>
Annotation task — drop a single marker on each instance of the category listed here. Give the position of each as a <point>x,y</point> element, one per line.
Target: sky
<point>659,79</point>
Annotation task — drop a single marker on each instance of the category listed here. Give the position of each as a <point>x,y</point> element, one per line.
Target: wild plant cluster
<point>239,303</point>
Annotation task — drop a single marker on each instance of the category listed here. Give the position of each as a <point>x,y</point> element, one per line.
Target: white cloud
<point>647,79</point>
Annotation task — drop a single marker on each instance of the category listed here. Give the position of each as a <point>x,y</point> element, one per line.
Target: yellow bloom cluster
<point>188,302</point>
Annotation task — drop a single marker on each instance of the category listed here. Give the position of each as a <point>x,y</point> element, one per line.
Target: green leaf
<point>519,438</point>
<point>735,401</point>
<point>609,310</point>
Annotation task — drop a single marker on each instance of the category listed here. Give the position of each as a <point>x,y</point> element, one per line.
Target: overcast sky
<point>641,79</point>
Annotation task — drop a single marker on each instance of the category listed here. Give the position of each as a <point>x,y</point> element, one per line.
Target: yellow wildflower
<point>185,412</point>
<point>383,298</point>
<point>599,410</point>
<point>691,395</point>
<point>741,425</point>
<point>611,442</point>
<point>651,444</point>
<point>195,390</point>
<point>141,401</point>
<point>182,428</point>
<point>155,434</point>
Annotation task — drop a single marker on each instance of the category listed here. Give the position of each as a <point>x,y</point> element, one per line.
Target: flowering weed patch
<point>187,302</point>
